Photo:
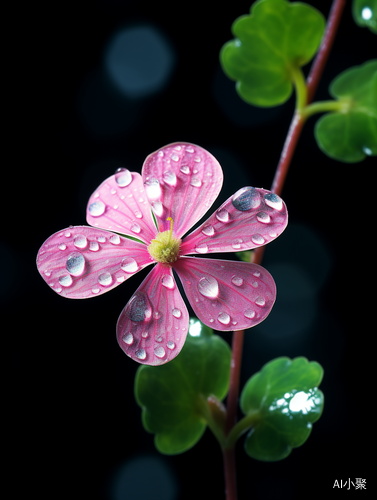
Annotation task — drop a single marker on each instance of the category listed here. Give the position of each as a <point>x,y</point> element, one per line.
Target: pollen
<point>165,247</point>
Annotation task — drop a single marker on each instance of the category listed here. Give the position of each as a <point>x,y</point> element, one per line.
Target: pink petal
<point>120,204</point>
<point>152,328</point>
<point>227,295</point>
<point>250,218</point>
<point>181,181</point>
<point>82,262</point>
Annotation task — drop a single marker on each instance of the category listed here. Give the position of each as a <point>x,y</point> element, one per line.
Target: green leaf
<point>365,13</point>
<point>274,40</point>
<point>285,400</point>
<point>171,396</point>
<point>351,134</point>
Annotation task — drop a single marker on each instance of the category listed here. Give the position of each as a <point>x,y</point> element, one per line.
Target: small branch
<point>230,474</point>
<point>277,187</point>
<point>323,53</point>
<point>235,368</point>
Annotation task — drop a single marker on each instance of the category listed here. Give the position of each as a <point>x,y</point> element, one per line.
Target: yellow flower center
<point>165,248</point>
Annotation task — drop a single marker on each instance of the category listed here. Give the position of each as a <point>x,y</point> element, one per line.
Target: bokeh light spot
<point>139,61</point>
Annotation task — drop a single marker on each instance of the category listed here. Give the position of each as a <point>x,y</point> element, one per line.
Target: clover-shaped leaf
<point>277,38</point>
<point>365,13</point>
<point>172,395</point>
<point>285,401</point>
<point>351,134</point>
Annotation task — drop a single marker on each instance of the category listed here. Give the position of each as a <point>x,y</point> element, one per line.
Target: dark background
<point>72,424</point>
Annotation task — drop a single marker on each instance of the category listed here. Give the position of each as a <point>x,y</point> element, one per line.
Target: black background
<point>72,423</point>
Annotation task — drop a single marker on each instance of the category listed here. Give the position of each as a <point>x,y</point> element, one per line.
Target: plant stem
<point>277,187</point>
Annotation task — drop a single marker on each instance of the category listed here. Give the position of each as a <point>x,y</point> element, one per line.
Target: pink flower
<point>179,183</point>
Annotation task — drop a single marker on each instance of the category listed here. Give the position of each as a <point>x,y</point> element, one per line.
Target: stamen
<point>171,226</point>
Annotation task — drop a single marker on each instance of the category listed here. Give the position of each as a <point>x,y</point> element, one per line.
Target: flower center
<point>165,248</point>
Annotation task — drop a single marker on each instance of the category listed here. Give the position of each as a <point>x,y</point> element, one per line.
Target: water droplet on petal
<point>236,280</point>
<point>75,264</point>
<point>236,244</point>
<point>105,279</point>
<point>80,241</point>
<point>246,198</point>
<point>95,290</point>
<point>263,217</point>
<point>189,149</point>
<point>97,208</point>
<point>101,239</point>
<point>114,239</point>
<point>257,274</point>
<point>66,280</point>
<point>249,313</point>
<point>260,301</point>
<point>208,287</point>
<point>138,308</point>
<point>176,313</point>
<point>153,189</point>
<point>123,177</point>
<point>93,246</point>
<point>196,182</point>
<point>157,315</point>
<point>141,354</point>
<point>167,281</point>
<point>174,157</point>
<point>138,215</point>
<point>67,234</point>
<point>208,230</point>
<point>224,318</point>
<point>158,208</point>
<point>135,228</point>
<point>159,352</point>
<point>257,239</point>
<point>222,215</point>
<point>128,338</point>
<point>170,345</point>
<point>170,178</point>
<point>185,169</point>
<point>273,201</point>
<point>201,248</point>
<point>129,265</point>
<point>62,246</point>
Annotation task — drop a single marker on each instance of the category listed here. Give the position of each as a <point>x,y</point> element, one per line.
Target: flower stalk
<point>304,99</point>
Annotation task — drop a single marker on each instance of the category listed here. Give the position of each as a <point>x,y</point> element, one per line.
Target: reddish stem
<point>277,187</point>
